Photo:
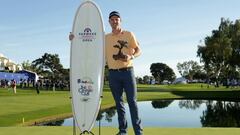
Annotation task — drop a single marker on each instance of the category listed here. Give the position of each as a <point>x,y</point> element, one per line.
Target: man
<point>37,86</point>
<point>121,48</point>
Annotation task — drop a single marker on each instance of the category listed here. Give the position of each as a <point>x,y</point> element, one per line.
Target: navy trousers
<point>124,81</point>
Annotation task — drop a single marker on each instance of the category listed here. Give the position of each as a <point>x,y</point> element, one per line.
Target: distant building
<point>7,64</point>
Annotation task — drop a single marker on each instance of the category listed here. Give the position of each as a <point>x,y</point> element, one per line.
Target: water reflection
<point>108,113</point>
<point>161,104</point>
<point>178,113</point>
<point>221,114</point>
<point>190,104</point>
<point>53,123</point>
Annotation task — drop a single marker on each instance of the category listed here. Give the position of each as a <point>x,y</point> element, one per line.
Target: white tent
<point>180,80</point>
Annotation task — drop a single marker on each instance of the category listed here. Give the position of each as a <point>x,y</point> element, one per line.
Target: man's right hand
<point>71,36</point>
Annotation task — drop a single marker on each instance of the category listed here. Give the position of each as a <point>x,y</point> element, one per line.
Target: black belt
<point>122,69</point>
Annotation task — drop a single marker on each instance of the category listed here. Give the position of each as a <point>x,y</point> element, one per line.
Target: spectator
<point>37,86</point>
<point>14,86</point>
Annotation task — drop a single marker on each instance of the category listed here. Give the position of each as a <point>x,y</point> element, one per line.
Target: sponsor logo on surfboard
<point>87,35</point>
<point>85,86</point>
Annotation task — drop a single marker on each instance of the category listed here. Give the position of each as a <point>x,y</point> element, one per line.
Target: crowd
<point>42,84</point>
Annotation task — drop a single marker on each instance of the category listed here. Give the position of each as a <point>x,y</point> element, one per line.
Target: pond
<point>174,113</point>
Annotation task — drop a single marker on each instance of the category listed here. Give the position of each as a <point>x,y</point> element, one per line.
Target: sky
<point>169,31</point>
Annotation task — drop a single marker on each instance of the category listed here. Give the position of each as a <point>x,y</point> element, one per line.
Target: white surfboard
<point>87,64</point>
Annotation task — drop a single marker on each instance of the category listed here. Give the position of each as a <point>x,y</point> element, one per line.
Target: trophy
<point>120,55</point>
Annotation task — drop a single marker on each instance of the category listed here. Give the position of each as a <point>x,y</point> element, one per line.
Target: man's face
<point>115,22</point>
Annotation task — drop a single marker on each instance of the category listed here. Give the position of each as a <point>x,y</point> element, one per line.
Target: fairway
<point>112,131</point>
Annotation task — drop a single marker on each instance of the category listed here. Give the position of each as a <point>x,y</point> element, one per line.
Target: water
<point>175,113</point>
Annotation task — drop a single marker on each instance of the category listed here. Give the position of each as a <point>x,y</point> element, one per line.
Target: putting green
<point>111,131</point>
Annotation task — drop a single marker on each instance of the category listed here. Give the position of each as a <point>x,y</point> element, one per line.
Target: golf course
<point>20,111</point>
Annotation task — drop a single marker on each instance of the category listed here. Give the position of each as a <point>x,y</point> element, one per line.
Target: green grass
<point>49,105</point>
<point>184,87</point>
<point>33,108</point>
<point>29,105</point>
<point>111,131</point>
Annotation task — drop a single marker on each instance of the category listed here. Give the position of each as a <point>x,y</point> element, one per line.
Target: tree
<point>217,51</point>
<point>234,61</point>
<point>235,43</point>
<point>27,65</point>
<point>65,74</point>
<point>146,79</point>
<point>188,69</point>
<point>161,71</point>
<point>49,65</point>
<point>139,80</point>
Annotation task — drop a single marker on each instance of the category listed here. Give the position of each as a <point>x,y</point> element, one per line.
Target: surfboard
<point>87,64</point>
